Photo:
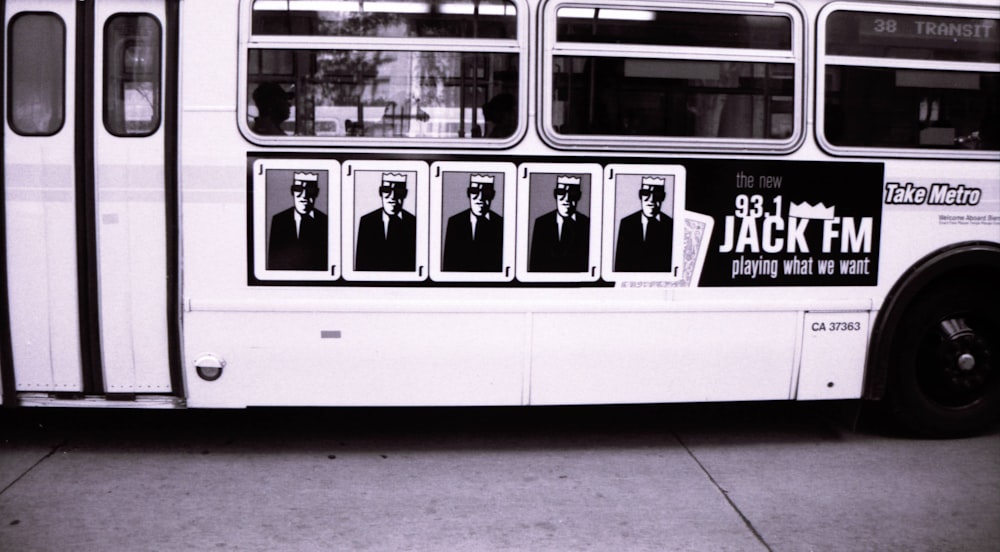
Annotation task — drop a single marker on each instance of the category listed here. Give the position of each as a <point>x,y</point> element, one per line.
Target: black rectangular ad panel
<point>788,223</point>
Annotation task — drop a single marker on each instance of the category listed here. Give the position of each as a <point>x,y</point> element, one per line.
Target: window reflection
<point>132,75</point>
<point>375,93</point>
<point>387,18</point>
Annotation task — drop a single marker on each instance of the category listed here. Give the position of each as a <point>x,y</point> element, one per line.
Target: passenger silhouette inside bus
<point>273,108</point>
<point>501,116</point>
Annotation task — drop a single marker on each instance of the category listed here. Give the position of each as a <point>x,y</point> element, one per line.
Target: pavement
<point>752,476</point>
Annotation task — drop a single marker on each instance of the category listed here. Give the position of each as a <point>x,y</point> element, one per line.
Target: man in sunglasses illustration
<point>474,237</point>
<point>560,241</point>
<point>387,237</point>
<point>298,239</point>
<point>645,238</point>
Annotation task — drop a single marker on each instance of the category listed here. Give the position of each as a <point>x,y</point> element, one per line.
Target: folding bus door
<point>40,196</point>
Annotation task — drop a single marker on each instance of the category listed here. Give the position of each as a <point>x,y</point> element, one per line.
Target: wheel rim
<point>956,362</point>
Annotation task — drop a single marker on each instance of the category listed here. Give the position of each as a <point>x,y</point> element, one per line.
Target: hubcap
<point>955,364</point>
<point>966,362</point>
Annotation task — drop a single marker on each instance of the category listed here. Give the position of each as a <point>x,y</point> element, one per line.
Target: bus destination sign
<point>940,32</point>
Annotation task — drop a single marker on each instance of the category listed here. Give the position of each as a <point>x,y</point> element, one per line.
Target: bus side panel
<point>41,249</point>
<point>833,347</point>
<point>133,268</point>
<point>662,357</point>
<point>358,358</point>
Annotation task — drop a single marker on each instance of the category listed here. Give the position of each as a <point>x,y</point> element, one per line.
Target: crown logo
<point>805,210</point>
<point>394,178</point>
<point>654,181</point>
<point>568,180</point>
<point>305,177</point>
<point>482,179</point>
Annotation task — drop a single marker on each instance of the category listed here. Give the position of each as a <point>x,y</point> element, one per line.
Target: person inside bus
<point>501,116</point>
<point>645,238</point>
<point>298,239</point>
<point>273,108</point>
<point>560,241</point>
<point>474,237</point>
<point>387,237</point>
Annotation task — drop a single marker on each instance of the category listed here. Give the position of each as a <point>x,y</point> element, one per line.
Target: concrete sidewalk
<point>703,477</point>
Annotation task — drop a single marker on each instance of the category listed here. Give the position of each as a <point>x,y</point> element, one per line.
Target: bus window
<point>132,75</point>
<point>673,98</point>
<point>383,94</point>
<point>640,77</point>
<point>900,81</point>
<point>433,71</point>
<point>37,74</point>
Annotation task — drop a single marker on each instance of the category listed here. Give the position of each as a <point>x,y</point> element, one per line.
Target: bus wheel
<point>944,378</point>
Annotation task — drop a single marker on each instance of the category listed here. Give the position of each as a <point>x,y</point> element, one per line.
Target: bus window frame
<point>519,47</point>
<point>795,56</point>
<point>823,60</point>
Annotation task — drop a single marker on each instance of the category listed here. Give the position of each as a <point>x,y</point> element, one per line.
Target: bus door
<point>130,195</point>
<point>41,196</point>
<point>84,198</point>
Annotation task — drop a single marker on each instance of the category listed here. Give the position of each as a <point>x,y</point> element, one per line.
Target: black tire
<point>944,377</point>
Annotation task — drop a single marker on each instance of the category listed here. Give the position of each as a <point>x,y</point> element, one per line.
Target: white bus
<point>501,202</point>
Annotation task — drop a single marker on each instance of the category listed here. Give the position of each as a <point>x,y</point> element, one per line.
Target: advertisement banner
<point>696,222</point>
<point>789,223</point>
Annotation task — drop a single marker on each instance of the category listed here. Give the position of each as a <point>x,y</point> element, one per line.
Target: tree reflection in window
<point>388,93</point>
<point>428,87</point>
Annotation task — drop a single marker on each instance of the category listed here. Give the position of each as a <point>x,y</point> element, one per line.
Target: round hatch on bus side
<point>209,367</point>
